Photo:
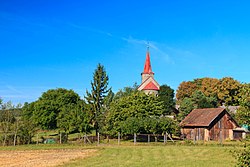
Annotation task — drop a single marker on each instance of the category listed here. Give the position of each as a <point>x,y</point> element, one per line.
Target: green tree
<point>26,131</point>
<point>167,125</point>
<point>131,125</point>
<point>47,108</point>
<point>228,91</point>
<point>166,94</point>
<point>7,120</point>
<point>225,90</point>
<point>243,113</point>
<point>99,89</point>
<point>137,105</point>
<point>185,89</point>
<point>1,101</point>
<point>74,118</point>
<point>197,100</point>
<point>126,91</point>
<point>151,124</point>
<point>209,86</point>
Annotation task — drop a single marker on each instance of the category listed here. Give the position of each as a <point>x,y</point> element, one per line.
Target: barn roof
<point>201,117</point>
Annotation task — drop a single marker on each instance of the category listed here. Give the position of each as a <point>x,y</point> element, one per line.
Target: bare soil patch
<point>42,158</point>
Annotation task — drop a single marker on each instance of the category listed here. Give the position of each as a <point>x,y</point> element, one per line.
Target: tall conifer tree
<point>99,89</point>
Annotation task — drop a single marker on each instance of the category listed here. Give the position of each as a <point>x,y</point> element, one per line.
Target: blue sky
<point>47,44</point>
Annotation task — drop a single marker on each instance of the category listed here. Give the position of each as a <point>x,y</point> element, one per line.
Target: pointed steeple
<point>148,83</point>
<point>147,66</point>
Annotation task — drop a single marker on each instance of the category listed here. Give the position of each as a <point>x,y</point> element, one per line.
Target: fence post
<point>60,138</point>
<point>37,138</point>
<point>134,138</point>
<point>84,139</point>
<point>119,138</point>
<point>164,136</point>
<point>98,138</point>
<point>148,138</point>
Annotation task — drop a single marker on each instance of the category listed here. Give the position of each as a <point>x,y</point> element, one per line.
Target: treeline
<point>126,112</point>
<point>212,92</point>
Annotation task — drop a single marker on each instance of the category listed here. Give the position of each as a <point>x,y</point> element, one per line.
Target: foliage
<point>47,108</point>
<point>168,125</point>
<point>166,94</point>
<point>225,90</point>
<point>228,91</point>
<point>99,89</point>
<point>197,100</point>
<point>137,113</point>
<point>243,113</point>
<point>126,91</point>
<point>74,117</point>
<point>26,131</point>
<point>7,120</point>
<point>209,86</point>
<point>185,89</point>
<point>107,100</point>
<point>242,157</point>
<point>131,125</point>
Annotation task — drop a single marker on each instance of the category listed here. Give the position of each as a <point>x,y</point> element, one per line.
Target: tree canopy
<point>243,113</point>
<point>46,109</point>
<point>197,100</point>
<point>166,94</point>
<point>134,113</point>
<point>225,90</point>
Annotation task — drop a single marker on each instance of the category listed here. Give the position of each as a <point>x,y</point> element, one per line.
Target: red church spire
<point>147,66</point>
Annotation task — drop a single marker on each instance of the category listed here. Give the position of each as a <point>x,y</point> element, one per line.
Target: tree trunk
<point>15,133</point>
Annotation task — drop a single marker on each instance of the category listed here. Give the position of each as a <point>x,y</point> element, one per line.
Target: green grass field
<point>170,155</point>
<point>146,155</point>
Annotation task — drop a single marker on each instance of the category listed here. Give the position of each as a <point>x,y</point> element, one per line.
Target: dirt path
<point>42,158</point>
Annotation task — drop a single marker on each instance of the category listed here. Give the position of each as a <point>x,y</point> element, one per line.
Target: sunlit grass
<point>168,155</point>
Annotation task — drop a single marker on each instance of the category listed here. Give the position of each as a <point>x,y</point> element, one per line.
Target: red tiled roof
<point>147,66</point>
<point>151,86</point>
<point>201,117</point>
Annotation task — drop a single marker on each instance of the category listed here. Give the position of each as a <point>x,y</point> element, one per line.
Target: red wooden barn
<point>208,124</point>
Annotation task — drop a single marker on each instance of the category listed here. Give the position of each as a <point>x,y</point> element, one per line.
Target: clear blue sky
<point>47,44</point>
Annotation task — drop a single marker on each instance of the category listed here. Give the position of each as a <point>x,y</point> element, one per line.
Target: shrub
<point>243,157</point>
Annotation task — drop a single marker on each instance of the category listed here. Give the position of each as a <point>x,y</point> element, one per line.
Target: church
<point>148,83</point>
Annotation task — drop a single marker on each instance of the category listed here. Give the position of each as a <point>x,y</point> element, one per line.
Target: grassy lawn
<point>145,155</point>
<point>169,155</point>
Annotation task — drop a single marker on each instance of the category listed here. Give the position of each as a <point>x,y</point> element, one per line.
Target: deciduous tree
<point>185,89</point>
<point>243,113</point>
<point>47,108</point>
<point>228,91</point>
<point>137,105</point>
<point>197,100</point>
<point>166,94</point>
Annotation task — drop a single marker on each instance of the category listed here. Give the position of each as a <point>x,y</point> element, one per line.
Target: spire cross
<point>147,46</point>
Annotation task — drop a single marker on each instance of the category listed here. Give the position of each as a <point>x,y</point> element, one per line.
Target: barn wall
<point>222,129</point>
<point>194,133</point>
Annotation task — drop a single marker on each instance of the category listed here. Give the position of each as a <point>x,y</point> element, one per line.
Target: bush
<point>243,157</point>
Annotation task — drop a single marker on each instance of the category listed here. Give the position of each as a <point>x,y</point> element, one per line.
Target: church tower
<point>148,84</point>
